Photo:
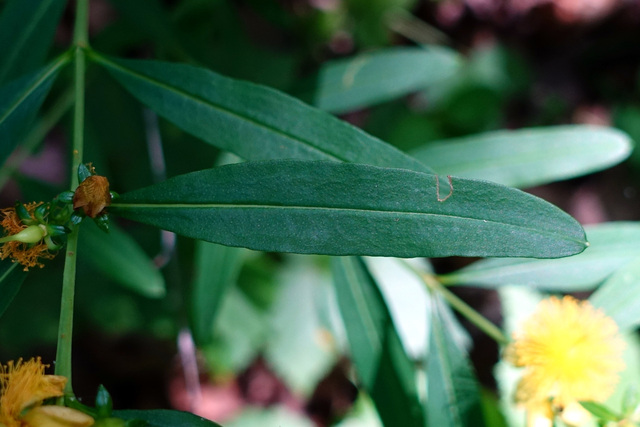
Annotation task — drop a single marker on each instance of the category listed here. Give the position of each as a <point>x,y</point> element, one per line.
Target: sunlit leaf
<point>611,246</point>
<point>619,296</point>
<point>527,157</point>
<point>348,84</point>
<point>453,392</point>
<point>252,121</point>
<point>380,359</point>
<point>27,28</point>
<point>351,209</point>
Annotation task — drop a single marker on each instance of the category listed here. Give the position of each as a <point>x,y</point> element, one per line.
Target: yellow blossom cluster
<point>571,352</point>
<point>23,388</point>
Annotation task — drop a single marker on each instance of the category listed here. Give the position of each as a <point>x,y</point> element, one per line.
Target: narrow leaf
<point>528,157</point>
<point>382,364</point>
<point>352,209</point>
<point>600,411</point>
<point>252,121</point>
<point>619,296</point>
<point>27,28</point>
<point>20,101</point>
<point>120,258</point>
<point>164,418</point>
<point>11,278</point>
<point>453,393</point>
<point>217,268</point>
<point>349,84</point>
<point>611,246</point>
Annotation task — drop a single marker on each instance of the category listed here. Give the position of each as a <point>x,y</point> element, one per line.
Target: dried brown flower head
<point>92,195</point>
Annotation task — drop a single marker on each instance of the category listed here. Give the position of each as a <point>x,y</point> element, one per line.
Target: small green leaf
<point>11,278</point>
<point>336,208</point>
<point>528,157</point>
<point>611,246</point>
<point>27,28</point>
<point>165,418</point>
<point>120,258</point>
<point>216,269</point>
<point>619,296</point>
<point>382,364</point>
<point>370,78</point>
<point>252,121</point>
<point>453,393</point>
<point>20,101</point>
<point>600,411</point>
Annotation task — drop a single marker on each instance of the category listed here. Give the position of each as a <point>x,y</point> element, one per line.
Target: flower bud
<point>31,234</point>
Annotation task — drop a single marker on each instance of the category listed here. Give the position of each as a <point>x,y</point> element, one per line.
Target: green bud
<point>31,234</point>
<point>83,173</point>
<point>23,214</point>
<point>102,222</point>
<point>104,404</point>
<point>110,422</point>
<point>41,212</point>
<point>65,197</point>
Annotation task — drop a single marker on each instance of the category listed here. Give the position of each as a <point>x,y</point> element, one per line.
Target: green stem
<point>465,310</point>
<point>65,328</point>
<point>461,307</point>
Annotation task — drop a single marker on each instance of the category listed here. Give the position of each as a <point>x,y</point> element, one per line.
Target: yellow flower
<point>29,249</point>
<point>570,352</point>
<point>23,387</point>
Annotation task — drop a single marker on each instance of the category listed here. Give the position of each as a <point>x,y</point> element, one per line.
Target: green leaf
<point>381,362</point>
<point>119,257</point>
<point>619,296</point>
<point>611,245</point>
<point>453,393</point>
<point>353,83</point>
<point>252,121</point>
<point>336,208</point>
<point>165,418</point>
<point>11,278</point>
<point>27,28</point>
<point>217,268</point>
<point>600,411</point>
<point>20,101</point>
<point>528,157</point>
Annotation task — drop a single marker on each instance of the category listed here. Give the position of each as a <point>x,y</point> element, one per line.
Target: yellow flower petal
<point>56,416</point>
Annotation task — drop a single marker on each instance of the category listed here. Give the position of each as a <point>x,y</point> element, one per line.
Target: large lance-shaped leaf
<point>453,392</point>
<point>619,296</point>
<point>252,121</point>
<point>348,84</point>
<point>376,350</point>
<point>11,278</point>
<point>217,268</point>
<point>612,245</point>
<point>27,28</point>
<point>352,209</point>
<point>528,157</point>
<point>20,101</point>
<point>165,418</point>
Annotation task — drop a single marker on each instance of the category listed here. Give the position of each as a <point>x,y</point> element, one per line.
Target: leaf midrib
<point>124,206</point>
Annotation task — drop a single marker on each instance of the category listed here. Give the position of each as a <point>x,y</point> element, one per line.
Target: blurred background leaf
<point>611,246</point>
<point>528,157</point>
